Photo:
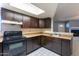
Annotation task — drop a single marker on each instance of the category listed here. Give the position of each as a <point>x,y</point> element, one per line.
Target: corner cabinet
<point>41,23</point>
<point>45,23</point>
<point>54,45</point>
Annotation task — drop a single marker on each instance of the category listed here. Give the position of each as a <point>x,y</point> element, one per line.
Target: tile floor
<point>43,52</point>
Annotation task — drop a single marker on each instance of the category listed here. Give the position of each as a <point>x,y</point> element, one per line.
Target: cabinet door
<point>0,49</point>
<point>29,45</point>
<point>41,23</point>
<point>48,23</point>
<point>66,48</point>
<point>34,22</point>
<point>7,15</point>
<point>18,17</point>
<point>56,45</point>
<point>26,22</point>
<point>49,44</point>
<point>35,43</point>
<point>44,40</point>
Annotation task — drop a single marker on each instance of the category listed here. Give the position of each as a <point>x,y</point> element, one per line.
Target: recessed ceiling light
<point>28,8</point>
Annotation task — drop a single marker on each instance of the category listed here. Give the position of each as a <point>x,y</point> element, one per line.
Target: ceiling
<point>67,11</point>
<point>60,11</point>
<point>49,9</point>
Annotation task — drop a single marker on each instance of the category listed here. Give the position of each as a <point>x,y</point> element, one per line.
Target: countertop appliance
<point>14,43</point>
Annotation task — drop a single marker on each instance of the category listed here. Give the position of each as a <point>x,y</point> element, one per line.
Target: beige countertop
<point>63,35</point>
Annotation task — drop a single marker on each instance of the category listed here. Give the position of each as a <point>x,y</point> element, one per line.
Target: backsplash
<point>31,30</point>
<point>8,27</point>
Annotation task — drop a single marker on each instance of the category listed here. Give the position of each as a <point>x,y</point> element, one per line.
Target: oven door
<point>14,49</point>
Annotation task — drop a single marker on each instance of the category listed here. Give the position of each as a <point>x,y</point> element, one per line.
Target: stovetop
<point>13,36</point>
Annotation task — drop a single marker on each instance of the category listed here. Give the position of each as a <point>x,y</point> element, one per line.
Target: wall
<point>34,30</point>
<point>74,23</point>
<point>0,19</point>
<point>56,24</point>
<point>7,27</point>
<point>52,24</point>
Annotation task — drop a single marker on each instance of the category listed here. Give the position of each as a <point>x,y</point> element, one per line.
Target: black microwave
<point>75,32</point>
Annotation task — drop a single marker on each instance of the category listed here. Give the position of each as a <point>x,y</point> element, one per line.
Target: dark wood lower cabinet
<point>32,44</point>
<point>54,45</point>
<point>66,47</point>
<point>0,49</point>
<point>60,46</point>
<point>29,45</point>
<point>44,40</point>
<point>35,43</point>
<point>57,45</point>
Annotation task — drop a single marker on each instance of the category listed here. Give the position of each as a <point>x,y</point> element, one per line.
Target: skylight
<point>28,8</point>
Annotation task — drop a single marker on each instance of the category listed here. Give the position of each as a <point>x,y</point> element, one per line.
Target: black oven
<point>14,43</point>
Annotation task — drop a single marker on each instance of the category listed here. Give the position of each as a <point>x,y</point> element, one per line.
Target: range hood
<point>11,22</point>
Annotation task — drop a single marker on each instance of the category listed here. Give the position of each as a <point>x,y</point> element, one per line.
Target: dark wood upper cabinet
<point>7,15</point>
<point>41,23</point>
<point>10,15</point>
<point>47,22</point>
<point>18,17</point>
<point>34,22</point>
<point>26,22</point>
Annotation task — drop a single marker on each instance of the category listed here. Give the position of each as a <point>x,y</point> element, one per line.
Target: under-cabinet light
<point>11,22</point>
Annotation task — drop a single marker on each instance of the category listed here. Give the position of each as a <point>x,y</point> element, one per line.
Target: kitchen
<point>24,33</point>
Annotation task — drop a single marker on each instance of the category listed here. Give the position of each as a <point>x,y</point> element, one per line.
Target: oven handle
<point>10,42</point>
